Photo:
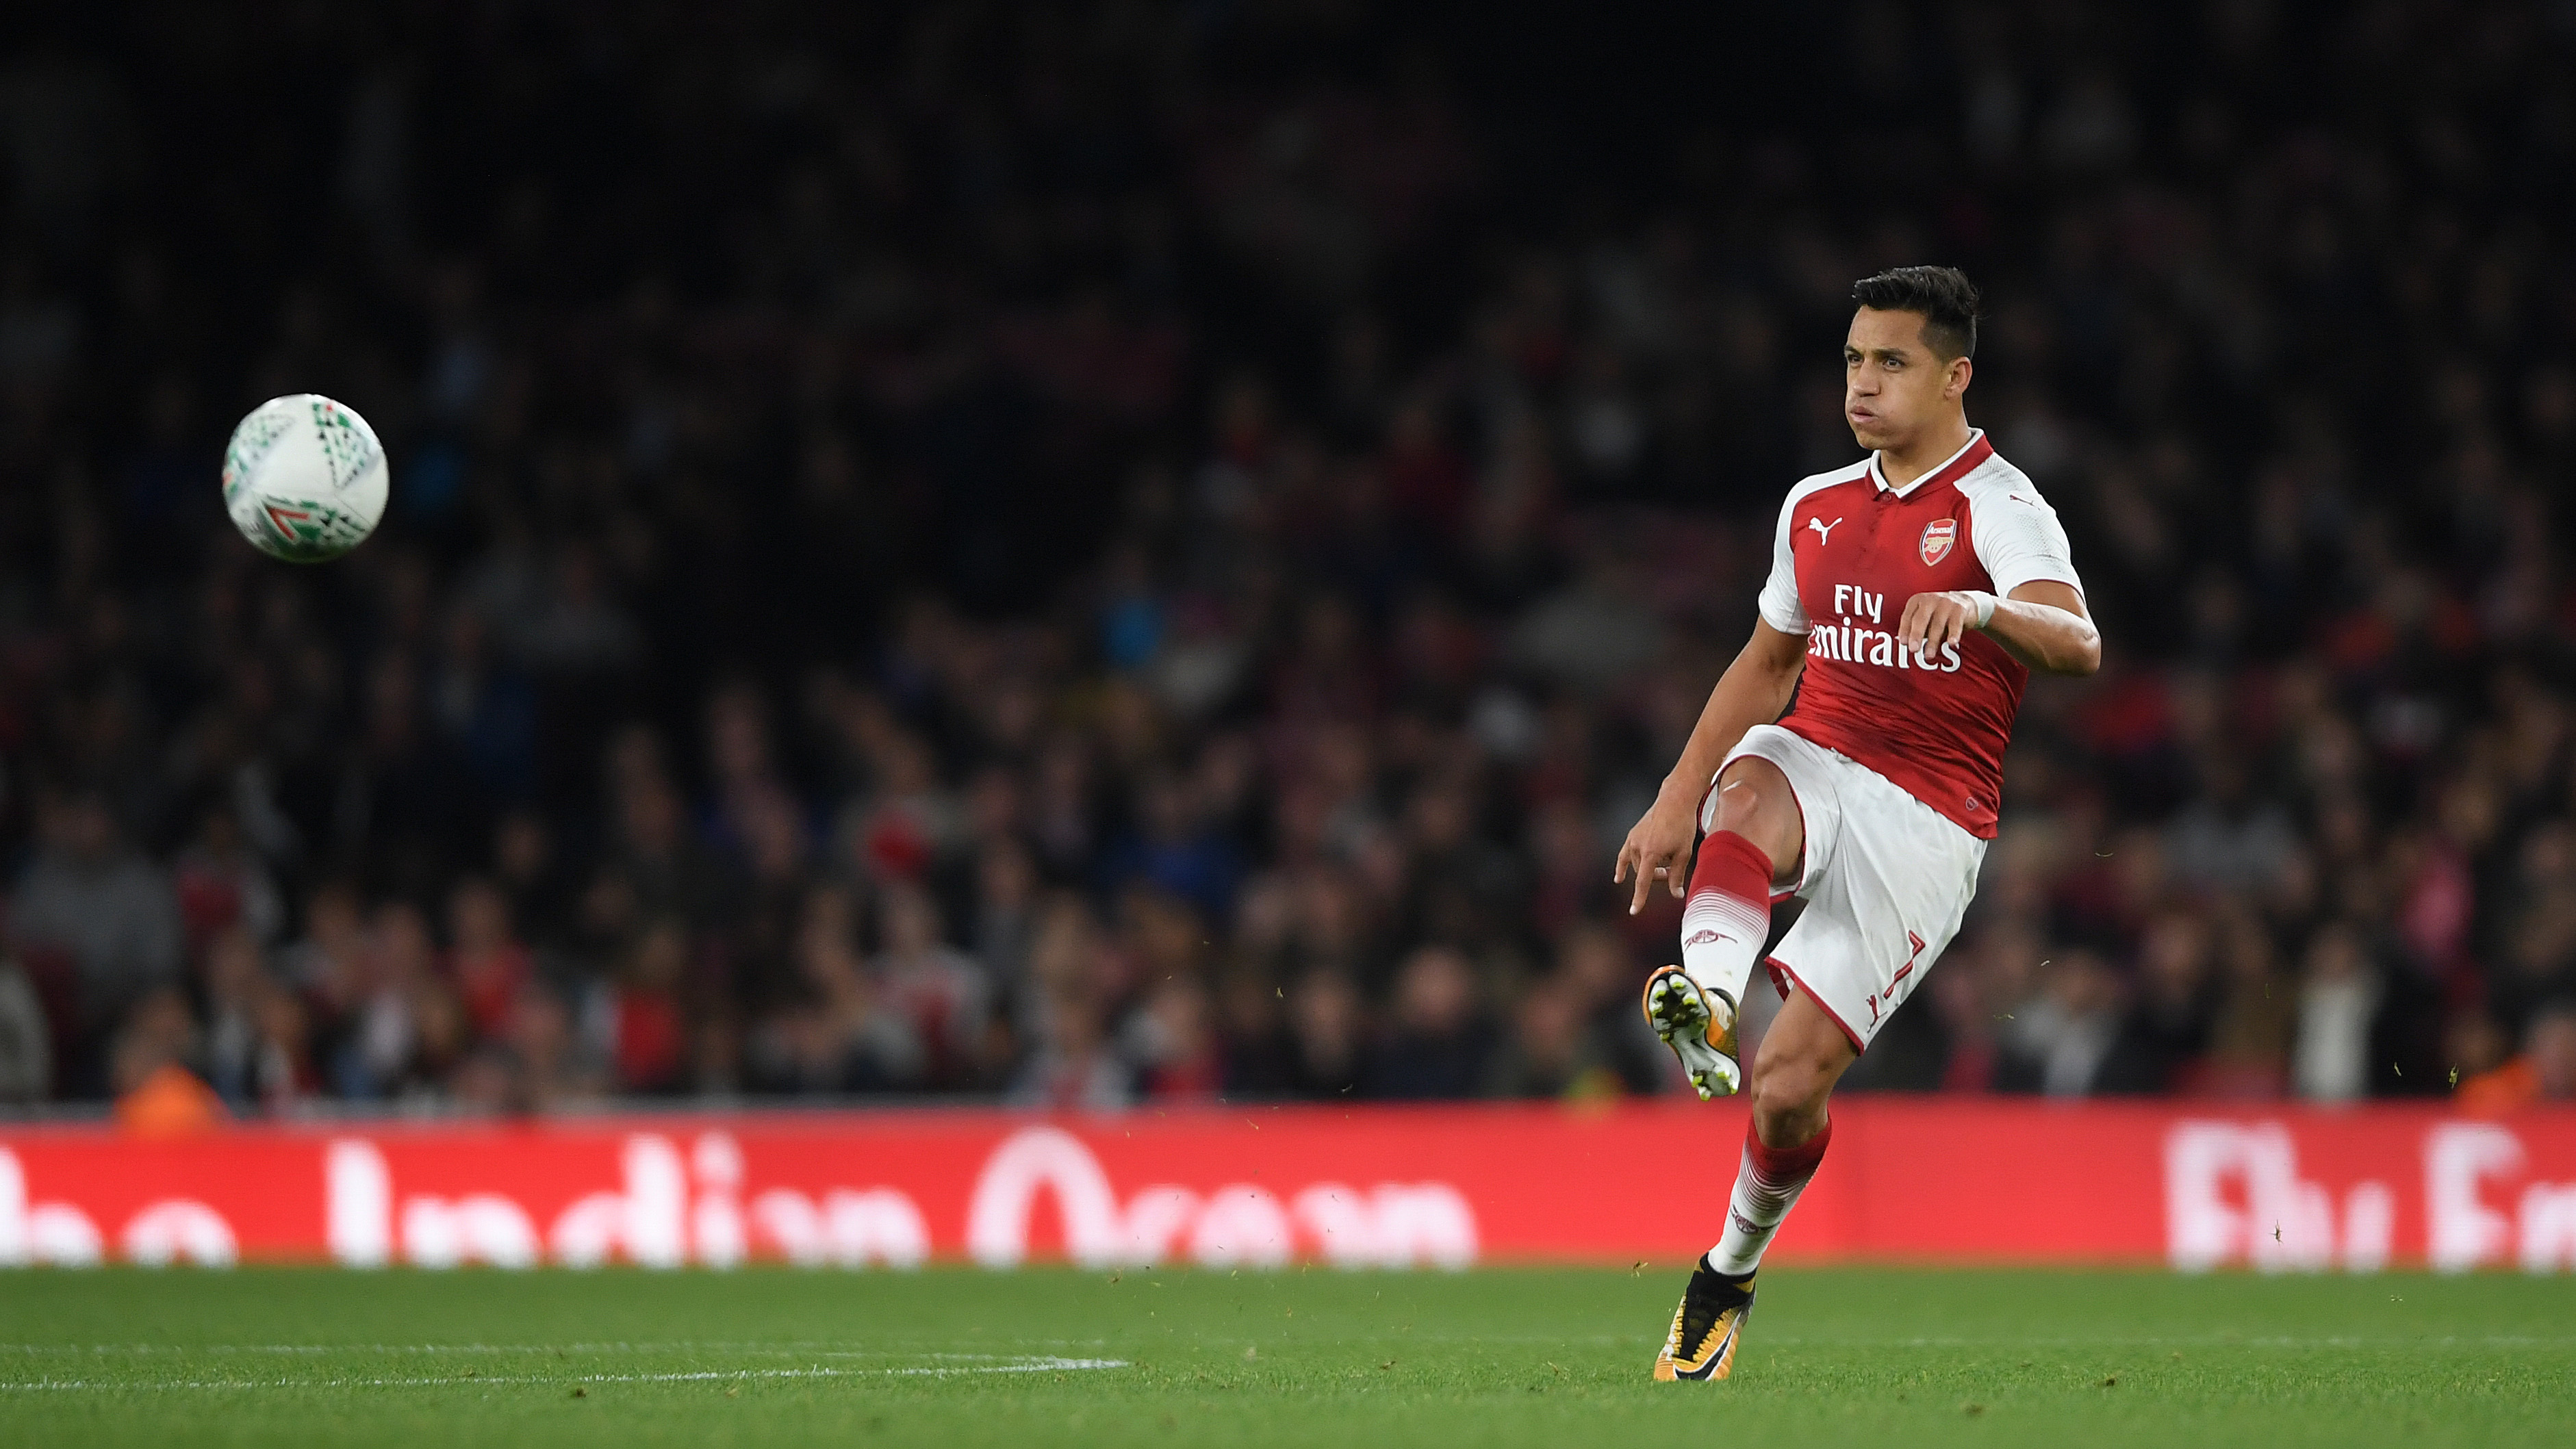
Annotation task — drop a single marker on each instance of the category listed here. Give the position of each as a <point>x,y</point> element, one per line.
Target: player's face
<point>1894,385</point>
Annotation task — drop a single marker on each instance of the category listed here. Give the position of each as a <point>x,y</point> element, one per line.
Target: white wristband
<point>1985,603</point>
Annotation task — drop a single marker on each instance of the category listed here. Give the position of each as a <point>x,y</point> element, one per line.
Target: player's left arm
<point>2043,624</point>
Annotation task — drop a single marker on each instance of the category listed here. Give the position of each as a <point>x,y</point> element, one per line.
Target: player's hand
<point>1934,620</point>
<point>1659,845</point>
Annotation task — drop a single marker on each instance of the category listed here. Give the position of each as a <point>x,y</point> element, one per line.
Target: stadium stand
<point>1089,554</point>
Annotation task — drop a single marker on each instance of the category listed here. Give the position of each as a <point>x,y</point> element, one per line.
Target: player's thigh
<point>1754,800</point>
<point>1912,878</point>
<point>1891,899</point>
<point>1778,791</point>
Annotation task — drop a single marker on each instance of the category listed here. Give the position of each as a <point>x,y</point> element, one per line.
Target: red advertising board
<point>1908,1179</point>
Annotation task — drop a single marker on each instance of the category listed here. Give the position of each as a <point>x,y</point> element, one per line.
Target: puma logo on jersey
<point>1824,530</point>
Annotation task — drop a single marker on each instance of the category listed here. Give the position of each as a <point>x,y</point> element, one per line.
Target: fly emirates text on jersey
<point>1849,643</point>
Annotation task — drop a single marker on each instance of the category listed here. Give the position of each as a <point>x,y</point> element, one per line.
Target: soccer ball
<point>304,478</point>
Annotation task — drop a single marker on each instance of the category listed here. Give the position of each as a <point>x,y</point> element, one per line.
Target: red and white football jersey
<point>1851,550</point>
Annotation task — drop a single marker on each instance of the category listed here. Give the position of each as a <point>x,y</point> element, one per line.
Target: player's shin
<point>1727,914</point>
<point>1767,1184</point>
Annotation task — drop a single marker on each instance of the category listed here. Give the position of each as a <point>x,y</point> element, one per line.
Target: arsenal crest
<point>1938,535</point>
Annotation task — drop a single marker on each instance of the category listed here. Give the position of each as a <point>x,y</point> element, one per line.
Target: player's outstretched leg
<point>1802,1056</point>
<point>1755,832</point>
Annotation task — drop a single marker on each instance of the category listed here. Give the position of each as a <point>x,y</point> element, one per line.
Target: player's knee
<point>1760,808</point>
<point>1779,1091</point>
<point>1787,1092</point>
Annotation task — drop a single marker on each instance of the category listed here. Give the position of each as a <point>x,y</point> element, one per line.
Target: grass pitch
<point>962,1358</point>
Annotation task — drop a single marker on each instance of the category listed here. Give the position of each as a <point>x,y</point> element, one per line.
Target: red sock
<point>1786,1166</point>
<point>1727,914</point>
<point>1767,1185</point>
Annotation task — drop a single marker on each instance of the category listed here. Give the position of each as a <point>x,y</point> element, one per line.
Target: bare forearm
<point>2044,624</point>
<point>2046,637</point>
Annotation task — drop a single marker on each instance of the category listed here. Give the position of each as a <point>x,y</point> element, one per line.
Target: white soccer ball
<point>304,478</point>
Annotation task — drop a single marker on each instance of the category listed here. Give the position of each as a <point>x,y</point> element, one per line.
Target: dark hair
<point>1943,296</point>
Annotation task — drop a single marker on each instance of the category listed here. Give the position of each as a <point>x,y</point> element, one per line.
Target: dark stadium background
<point>1090,553</point>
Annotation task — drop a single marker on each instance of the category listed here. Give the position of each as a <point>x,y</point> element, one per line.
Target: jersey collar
<point>1959,465</point>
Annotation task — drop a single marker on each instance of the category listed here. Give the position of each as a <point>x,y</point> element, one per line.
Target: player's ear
<point>1961,370</point>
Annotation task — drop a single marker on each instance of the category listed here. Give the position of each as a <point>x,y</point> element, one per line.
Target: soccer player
<point>1911,594</point>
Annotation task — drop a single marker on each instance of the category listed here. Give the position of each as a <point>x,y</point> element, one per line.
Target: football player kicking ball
<point>1910,596</point>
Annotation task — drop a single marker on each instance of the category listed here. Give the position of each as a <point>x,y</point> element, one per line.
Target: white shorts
<point>1886,879</point>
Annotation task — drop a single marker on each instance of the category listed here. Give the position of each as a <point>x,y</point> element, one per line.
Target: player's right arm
<point>1754,690</point>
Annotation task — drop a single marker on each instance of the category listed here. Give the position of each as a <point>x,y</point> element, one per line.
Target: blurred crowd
<point>1091,554</point>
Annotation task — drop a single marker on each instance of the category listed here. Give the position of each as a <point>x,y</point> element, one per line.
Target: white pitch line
<point>1023,1366</point>
<point>838,1349</point>
<point>810,1350</point>
<point>2201,1342</point>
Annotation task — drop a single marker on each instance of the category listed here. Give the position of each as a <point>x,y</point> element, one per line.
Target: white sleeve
<point>1779,603</point>
<point>2019,539</point>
